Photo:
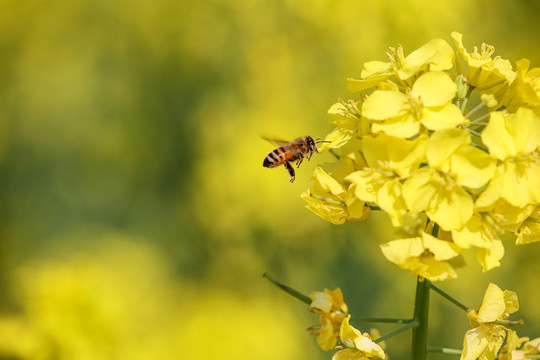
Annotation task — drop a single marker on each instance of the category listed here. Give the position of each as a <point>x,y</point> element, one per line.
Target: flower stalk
<point>421,315</point>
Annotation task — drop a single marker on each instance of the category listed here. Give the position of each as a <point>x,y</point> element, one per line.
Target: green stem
<point>464,104</point>
<point>380,320</point>
<point>478,107</point>
<point>475,133</point>
<point>412,324</point>
<point>446,351</point>
<point>421,313</point>
<point>480,118</point>
<point>508,322</point>
<point>448,297</point>
<point>537,356</point>
<point>289,290</point>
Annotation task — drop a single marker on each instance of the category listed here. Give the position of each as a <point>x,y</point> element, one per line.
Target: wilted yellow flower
<point>486,336</point>
<point>496,305</point>
<point>332,310</point>
<point>482,342</point>
<point>510,350</point>
<point>333,201</point>
<point>425,256</point>
<point>531,347</point>
<point>356,345</point>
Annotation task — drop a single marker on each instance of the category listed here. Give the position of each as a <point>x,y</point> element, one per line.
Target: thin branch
<point>399,330</point>
<point>448,297</point>
<point>289,290</point>
<point>477,120</point>
<point>442,350</point>
<point>478,107</point>
<point>475,133</point>
<point>380,320</point>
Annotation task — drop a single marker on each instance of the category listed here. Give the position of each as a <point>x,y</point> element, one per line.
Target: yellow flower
<point>482,342</point>
<point>425,256</point>
<point>482,228</point>
<point>333,201</point>
<point>347,120</point>
<point>486,336</point>
<point>496,305</point>
<point>373,73</point>
<point>525,90</point>
<point>358,346</point>
<point>429,103</point>
<point>483,72</point>
<point>389,160</point>
<point>514,139</point>
<point>532,347</point>
<point>510,350</point>
<point>332,310</point>
<point>529,231</point>
<point>435,55</point>
<point>441,188</point>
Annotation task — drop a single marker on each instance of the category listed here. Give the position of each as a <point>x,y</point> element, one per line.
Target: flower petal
<point>381,105</point>
<point>472,166</point>
<point>402,126</point>
<point>445,117</point>
<point>442,144</point>
<point>434,88</point>
<point>436,54</point>
<point>493,305</point>
<point>508,136</point>
<point>489,257</point>
<point>442,208</point>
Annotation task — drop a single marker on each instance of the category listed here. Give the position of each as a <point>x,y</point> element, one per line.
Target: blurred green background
<point>136,219</point>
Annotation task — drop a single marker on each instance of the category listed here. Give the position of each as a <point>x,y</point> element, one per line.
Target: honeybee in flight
<point>290,151</point>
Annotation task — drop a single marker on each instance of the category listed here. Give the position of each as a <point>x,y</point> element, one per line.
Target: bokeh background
<point>136,219</point>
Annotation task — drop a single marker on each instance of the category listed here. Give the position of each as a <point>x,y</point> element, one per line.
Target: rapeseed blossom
<point>487,335</point>
<point>332,309</point>
<point>356,345</point>
<point>448,134</point>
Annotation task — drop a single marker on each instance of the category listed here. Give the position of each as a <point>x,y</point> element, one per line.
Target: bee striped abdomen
<point>277,157</point>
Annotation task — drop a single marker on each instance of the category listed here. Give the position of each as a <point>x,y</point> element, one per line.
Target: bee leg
<point>290,169</point>
<point>299,161</point>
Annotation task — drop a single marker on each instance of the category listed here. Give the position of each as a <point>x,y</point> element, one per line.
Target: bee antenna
<point>322,141</point>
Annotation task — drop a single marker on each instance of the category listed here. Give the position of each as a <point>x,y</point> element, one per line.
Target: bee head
<point>312,145</point>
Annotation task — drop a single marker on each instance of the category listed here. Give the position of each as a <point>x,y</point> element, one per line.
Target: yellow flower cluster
<point>414,147</point>
<point>335,326</point>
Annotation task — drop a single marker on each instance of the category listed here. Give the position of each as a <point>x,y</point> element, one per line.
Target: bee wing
<point>275,141</point>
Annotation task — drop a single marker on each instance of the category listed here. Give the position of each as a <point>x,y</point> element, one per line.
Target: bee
<point>291,151</point>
